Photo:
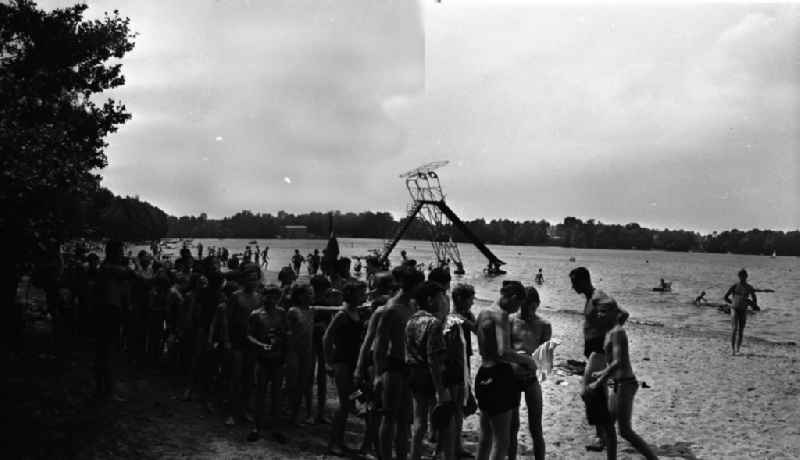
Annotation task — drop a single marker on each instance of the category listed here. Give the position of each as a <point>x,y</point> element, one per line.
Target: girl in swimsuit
<point>741,291</point>
<point>528,331</point>
<point>622,380</point>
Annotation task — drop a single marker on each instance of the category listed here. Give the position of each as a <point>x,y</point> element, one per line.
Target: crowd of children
<point>397,348</point>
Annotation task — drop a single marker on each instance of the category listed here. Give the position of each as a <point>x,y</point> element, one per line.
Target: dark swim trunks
<point>421,382</point>
<point>496,389</point>
<point>597,407</point>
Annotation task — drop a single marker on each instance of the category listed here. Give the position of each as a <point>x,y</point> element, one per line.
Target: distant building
<point>295,232</point>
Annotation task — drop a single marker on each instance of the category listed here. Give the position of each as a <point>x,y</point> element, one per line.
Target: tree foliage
<point>572,232</point>
<point>53,65</point>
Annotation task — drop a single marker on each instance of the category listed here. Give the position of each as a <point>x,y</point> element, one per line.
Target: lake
<point>628,276</point>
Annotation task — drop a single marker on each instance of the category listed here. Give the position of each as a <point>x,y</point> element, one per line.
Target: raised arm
<point>753,295</point>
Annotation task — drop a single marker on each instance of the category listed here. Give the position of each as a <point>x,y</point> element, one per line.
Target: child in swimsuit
<point>619,375</point>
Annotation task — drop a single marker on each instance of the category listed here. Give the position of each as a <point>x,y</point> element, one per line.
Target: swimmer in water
<point>701,298</point>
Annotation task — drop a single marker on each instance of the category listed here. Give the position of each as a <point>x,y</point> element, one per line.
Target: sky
<point>683,116</point>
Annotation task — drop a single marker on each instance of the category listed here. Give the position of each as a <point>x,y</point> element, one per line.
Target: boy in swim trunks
<point>496,389</point>
<point>425,358</point>
<point>741,292</point>
<point>391,372</point>
<point>619,373</point>
<point>266,334</point>
<point>594,334</point>
<point>528,332</point>
<point>299,358</point>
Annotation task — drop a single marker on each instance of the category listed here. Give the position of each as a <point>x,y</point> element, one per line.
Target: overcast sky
<point>680,117</point>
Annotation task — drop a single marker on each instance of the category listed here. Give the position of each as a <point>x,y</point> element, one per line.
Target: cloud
<point>545,111</point>
<point>297,87</point>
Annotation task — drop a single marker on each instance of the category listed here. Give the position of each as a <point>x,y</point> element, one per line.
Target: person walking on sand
<point>496,389</point>
<point>528,331</point>
<point>619,374</point>
<point>742,292</point>
<point>594,335</point>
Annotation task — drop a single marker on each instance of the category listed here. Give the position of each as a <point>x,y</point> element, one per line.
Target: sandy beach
<point>702,404</point>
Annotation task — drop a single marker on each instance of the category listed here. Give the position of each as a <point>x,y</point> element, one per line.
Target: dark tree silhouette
<point>52,129</point>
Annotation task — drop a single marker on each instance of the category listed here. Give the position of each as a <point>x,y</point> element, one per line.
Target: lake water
<point>628,276</point>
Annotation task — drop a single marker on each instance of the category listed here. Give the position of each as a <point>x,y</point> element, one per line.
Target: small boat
<point>253,242</point>
<point>774,254</point>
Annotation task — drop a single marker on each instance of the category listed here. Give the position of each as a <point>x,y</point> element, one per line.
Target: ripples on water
<point>628,276</point>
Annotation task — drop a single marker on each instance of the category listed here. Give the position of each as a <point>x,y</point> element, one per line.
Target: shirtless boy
<point>496,389</point>
<point>594,334</point>
<point>266,334</point>
<point>619,373</point>
<point>299,359</point>
<point>528,331</point>
<point>391,373</point>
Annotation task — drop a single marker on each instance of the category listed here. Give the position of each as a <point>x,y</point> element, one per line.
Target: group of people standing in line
<point>398,350</point>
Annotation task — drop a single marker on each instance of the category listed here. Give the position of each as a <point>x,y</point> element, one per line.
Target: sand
<point>702,403</point>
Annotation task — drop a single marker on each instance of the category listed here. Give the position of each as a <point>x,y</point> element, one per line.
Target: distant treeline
<point>572,232</point>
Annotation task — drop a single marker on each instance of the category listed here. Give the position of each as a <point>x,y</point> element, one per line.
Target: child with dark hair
<point>619,372</point>
<point>528,331</point>
<point>364,374</point>
<point>742,293</point>
<point>594,335</point>
<point>322,319</point>
<point>112,299</point>
<point>341,345</point>
<point>299,359</point>
<point>458,329</point>
<point>238,357</point>
<point>390,363</point>
<point>496,388</point>
<point>425,355</point>
<point>267,333</point>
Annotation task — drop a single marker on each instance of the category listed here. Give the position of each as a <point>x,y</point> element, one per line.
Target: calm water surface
<point>627,276</point>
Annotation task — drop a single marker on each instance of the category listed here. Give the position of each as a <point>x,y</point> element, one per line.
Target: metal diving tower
<point>429,208</point>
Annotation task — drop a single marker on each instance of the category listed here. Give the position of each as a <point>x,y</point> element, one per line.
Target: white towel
<point>543,356</point>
